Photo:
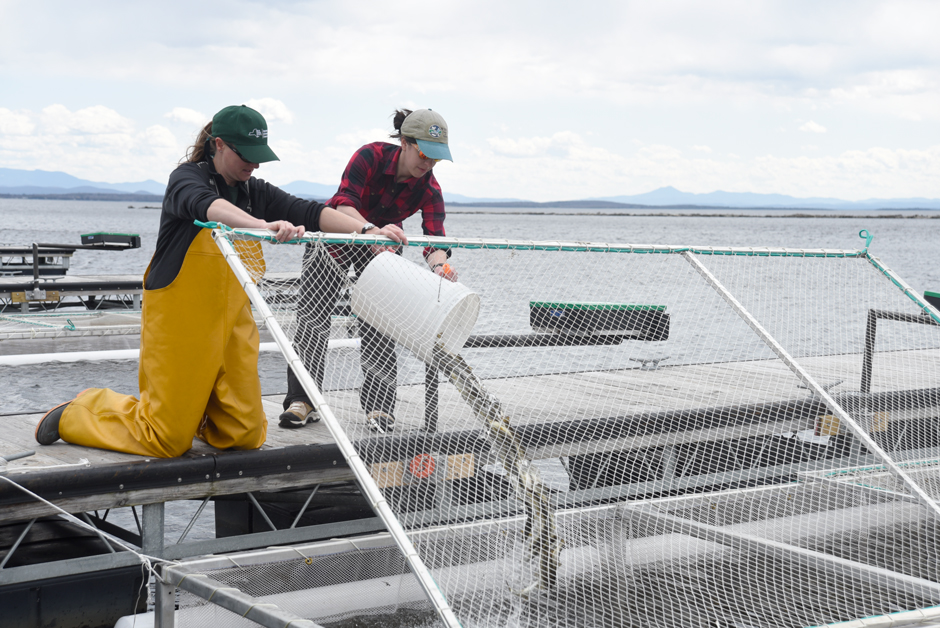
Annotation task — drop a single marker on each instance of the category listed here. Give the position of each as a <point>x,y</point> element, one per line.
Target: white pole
<point>132,354</point>
<point>373,493</point>
<point>811,384</point>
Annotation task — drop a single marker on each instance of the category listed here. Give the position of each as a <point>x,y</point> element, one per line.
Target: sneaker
<point>47,430</point>
<point>298,414</point>
<point>380,422</point>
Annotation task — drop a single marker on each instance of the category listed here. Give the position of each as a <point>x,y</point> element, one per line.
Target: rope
<point>523,245</point>
<point>868,238</point>
<point>145,559</point>
<point>23,321</point>
<point>83,462</point>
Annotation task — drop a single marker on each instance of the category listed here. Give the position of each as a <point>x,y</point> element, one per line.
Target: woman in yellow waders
<point>198,342</point>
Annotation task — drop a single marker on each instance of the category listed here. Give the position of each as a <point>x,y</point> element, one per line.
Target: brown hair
<point>197,152</point>
<point>399,115</point>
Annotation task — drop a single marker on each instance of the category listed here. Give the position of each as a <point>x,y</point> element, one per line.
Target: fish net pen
<point>580,434</point>
<point>14,326</point>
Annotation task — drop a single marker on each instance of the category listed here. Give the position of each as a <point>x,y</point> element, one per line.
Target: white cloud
<point>94,143</point>
<point>271,109</point>
<point>561,143</point>
<point>683,78</point>
<point>324,163</point>
<point>13,123</point>
<point>190,117</point>
<point>354,139</point>
<point>775,50</point>
<point>594,171</point>
<point>95,120</point>
<point>659,152</point>
<point>813,127</point>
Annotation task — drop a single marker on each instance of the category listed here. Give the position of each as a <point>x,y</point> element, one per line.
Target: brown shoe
<point>380,422</point>
<point>297,415</point>
<point>47,430</point>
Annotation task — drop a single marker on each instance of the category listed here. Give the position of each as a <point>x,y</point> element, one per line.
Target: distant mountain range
<point>670,196</point>
<point>43,183</point>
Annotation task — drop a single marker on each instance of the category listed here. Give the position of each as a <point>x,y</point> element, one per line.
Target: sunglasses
<point>235,150</point>
<point>420,154</point>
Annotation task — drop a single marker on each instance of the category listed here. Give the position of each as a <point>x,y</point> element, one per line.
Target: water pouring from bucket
<point>433,317</point>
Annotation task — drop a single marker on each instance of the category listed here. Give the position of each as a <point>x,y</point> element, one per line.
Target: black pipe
<point>870,331</point>
<point>113,246</point>
<point>430,398</point>
<point>384,449</point>
<point>156,473</point>
<point>82,286</point>
<point>35,266</point>
<point>560,339</point>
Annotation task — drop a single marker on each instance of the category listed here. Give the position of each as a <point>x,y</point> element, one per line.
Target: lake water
<point>907,242</point>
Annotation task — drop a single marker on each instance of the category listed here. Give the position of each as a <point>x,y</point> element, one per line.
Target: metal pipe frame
<point>303,508</point>
<point>478,527</point>
<point>193,520</point>
<point>152,529</point>
<point>258,507</point>
<point>875,576</point>
<point>504,511</point>
<point>98,532</point>
<point>652,522</point>
<point>860,489</point>
<point>917,617</point>
<point>164,600</point>
<point>871,328</point>
<point>811,383</point>
<point>16,545</point>
<point>904,287</point>
<point>545,245</point>
<point>231,599</point>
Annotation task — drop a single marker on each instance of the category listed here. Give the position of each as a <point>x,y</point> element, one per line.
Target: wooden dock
<point>24,293</point>
<point>566,398</point>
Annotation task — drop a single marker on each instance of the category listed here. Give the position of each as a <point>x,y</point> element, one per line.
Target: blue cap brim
<point>435,150</point>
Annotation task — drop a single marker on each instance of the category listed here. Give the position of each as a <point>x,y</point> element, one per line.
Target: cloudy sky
<point>545,100</point>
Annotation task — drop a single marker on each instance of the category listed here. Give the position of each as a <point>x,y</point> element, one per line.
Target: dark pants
<point>321,281</point>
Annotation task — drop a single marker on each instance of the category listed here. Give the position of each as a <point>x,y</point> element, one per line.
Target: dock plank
<point>528,399</point>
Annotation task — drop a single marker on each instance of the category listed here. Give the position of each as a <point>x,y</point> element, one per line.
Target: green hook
<point>70,326</point>
<point>868,238</point>
<point>210,225</point>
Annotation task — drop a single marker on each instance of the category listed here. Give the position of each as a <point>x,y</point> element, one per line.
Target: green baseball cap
<point>430,131</point>
<point>246,130</point>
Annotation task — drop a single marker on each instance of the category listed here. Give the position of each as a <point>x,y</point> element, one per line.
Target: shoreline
<point>696,214</point>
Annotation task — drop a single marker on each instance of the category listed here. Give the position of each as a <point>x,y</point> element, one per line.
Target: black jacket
<point>190,191</point>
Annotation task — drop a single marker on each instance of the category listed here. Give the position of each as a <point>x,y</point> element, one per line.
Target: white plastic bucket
<point>414,306</point>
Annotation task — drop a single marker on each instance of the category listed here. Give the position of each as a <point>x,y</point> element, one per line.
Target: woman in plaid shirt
<point>383,184</point>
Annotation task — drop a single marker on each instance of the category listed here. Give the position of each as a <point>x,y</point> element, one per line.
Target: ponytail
<point>197,152</point>
<point>399,115</point>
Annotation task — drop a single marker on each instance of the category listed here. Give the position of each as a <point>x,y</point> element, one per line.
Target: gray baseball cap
<point>430,131</point>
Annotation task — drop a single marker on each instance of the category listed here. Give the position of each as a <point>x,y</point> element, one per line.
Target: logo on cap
<point>434,131</point>
<point>258,133</point>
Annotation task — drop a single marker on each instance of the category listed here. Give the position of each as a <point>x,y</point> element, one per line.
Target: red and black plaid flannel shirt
<point>369,186</point>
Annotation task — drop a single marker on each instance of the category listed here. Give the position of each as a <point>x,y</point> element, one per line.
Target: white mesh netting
<point>626,436</point>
